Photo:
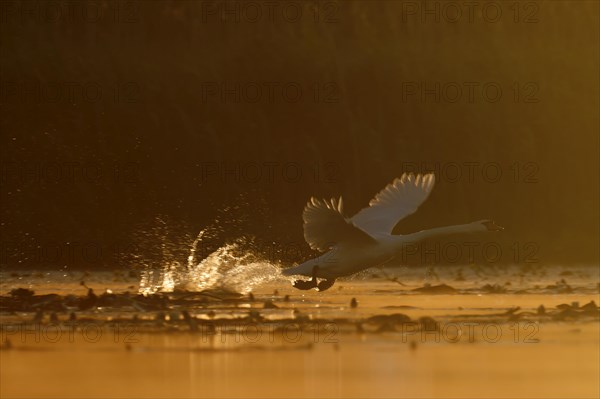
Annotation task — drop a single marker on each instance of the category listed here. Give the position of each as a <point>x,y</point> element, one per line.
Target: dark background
<point>110,140</point>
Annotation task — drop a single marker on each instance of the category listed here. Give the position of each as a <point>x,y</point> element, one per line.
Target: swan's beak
<point>492,226</point>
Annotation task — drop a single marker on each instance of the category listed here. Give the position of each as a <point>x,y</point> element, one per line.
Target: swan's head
<point>490,225</point>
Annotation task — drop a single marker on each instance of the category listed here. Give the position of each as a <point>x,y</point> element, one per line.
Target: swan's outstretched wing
<point>325,226</point>
<point>398,200</point>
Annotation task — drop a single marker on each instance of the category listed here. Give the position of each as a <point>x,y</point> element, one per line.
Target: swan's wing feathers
<point>399,199</point>
<point>325,226</point>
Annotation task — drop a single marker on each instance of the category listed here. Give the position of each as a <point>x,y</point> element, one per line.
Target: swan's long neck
<point>442,231</point>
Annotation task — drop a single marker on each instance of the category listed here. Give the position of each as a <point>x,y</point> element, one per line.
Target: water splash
<point>232,267</point>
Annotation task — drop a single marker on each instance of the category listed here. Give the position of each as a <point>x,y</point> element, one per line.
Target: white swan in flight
<point>365,240</point>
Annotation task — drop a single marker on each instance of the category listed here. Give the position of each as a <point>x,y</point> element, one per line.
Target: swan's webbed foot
<point>307,285</point>
<point>326,284</point>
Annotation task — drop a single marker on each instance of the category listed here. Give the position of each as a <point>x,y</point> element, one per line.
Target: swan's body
<point>365,240</point>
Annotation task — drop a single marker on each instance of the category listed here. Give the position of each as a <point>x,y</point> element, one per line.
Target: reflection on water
<point>536,337</point>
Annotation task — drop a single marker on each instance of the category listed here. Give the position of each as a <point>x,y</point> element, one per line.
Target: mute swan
<point>365,240</point>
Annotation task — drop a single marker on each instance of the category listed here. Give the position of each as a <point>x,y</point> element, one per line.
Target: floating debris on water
<point>270,305</point>
<point>429,324</point>
<point>493,289</point>
<point>436,289</point>
<point>541,310</point>
<point>21,293</point>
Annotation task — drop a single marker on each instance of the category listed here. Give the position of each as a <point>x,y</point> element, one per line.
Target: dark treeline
<point>118,113</point>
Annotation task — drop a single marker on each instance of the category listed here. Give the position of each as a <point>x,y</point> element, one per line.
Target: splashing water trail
<point>230,268</point>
